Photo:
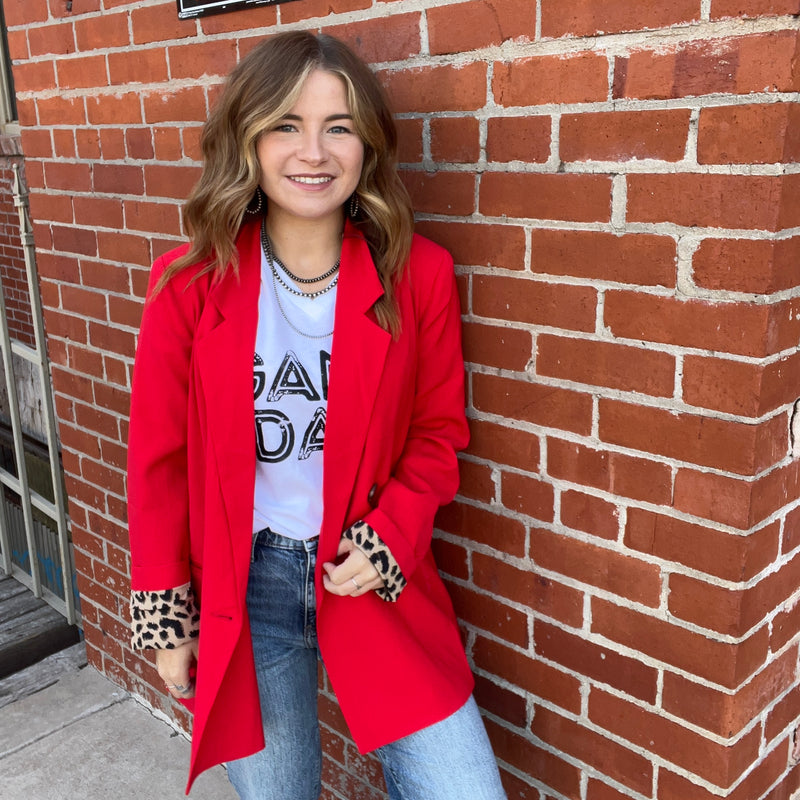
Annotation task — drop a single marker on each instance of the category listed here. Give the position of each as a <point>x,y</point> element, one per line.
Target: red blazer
<point>395,419</point>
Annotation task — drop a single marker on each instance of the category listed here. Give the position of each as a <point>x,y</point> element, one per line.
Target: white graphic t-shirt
<point>290,383</point>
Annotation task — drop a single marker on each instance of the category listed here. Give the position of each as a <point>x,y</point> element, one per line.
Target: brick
<point>624,135</point>
<point>717,763</point>
<point>215,58</point>
<point>739,65</point>
<point>167,144</point>
<point>59,111</point>
<point>629,369</point>
<point>590,514</point>
<point>158,24</point>
<point>529,496</point>
<point>103,211</point>
<point>543,595</point>
<point>139,143</point>
<point>504,445</point>
<point>127,248</point>
<point>137,66</point>
<point>572,197</point>
<point>728,327</point>
<point>385,39</point>
<point>610,570</point>
<point>715,201</point>
<point>719,498</point>
<point>50,208</point>
<point>117,179</point>
<point>487,527</point>
<point>179,105</point>
<point>112,144</point>
<point>64,144</point>
<point>759,266</point>
<point>51,39</point>
<point>320,8</point>
<point>37,143</point>
<point>58,267</point>
<point>155,217</point>
<point>103,276</point>
<point>75,240</point>
<point>61,175</point>
<point>481,23</point>
<point>409,141</point>
<point>110,338</point>
<point>169,181</point>
<point>534,302</point>
<point>98,32</point>
<point>34,76</point>
<point>114,109</point>
<point>83,302</point>
<point>519,139</point>
<point>548,406</point>
<point>244,20</point>
<point>450,193</point>
<point>550,770</point>
<point>23,12</point>
<point>752,8</point>
<point>455,139</point>
<point>581,78</point>
<point>641,259</point>
<point>783,714</point>
<point>486,613</point>
<point>587,18</point>
<point>450,558</point>
<point>487,245</point>
<point>620,474</point>
<point>125,312</point>
<point>718,662</point>
<point>502,702</point>
<point>594,749</point>
<point>440,88</point>
<point>81,73</point>
<point>79,441</point>
<point>763,776</point>
<point>477,482</point>
<point>530,674</point>
<point>600,664</point>
<point>749,134</point>
<point>17,45</point>
<point>728,446</point>
<point>505,348</point>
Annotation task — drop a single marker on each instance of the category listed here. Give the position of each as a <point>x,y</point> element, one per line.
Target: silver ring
<point>356,584</point>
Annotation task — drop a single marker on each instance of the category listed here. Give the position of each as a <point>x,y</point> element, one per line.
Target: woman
<point>254,549</point>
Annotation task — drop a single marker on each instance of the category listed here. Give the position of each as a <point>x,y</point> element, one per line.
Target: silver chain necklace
<point>286,318</point>
<point>266,244</point>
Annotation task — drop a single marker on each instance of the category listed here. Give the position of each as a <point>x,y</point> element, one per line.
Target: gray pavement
<point>82,738</point>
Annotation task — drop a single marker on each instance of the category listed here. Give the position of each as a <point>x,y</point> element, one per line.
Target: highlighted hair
<point>259,93</point>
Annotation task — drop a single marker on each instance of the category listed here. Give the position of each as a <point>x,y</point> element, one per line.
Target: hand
<point>173,667</point>
<point>354,576</point>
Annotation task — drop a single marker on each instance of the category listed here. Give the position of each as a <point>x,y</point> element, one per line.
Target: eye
<point>284,127</point>
<point>340,129</point>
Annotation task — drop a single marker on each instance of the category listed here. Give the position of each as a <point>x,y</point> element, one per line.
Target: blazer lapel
<point>358,354</point>
<point>224,359</point>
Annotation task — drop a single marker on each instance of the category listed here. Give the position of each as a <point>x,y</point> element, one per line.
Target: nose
<point>312,148</point>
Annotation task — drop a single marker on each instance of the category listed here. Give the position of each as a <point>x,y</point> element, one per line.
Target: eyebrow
<point>331,118</point>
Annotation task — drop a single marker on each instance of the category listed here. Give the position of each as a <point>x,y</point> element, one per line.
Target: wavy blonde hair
<point>259,93</point>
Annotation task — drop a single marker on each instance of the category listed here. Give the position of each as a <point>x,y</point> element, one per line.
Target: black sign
<point>195,8</point>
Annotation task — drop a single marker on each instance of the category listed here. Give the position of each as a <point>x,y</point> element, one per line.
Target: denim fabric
<point>450,760</point>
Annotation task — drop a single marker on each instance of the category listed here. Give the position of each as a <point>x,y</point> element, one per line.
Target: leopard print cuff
<point>367,540</point>
<point>164,620</point>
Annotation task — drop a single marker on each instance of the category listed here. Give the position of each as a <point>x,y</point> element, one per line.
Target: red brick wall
<point>616,182</point>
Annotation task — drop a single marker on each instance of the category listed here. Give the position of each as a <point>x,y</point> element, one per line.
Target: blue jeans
<point>450,760</point>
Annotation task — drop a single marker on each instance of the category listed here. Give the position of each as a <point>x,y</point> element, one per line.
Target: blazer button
<point>372,497</point>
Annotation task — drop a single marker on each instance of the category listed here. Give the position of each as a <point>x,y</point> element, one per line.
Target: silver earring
<point>353,205</point>
<point>259,198</point>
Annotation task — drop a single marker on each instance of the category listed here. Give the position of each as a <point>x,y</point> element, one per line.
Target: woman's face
<point>311,160</point>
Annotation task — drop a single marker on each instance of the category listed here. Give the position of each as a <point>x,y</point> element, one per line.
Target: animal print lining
<point>367,540</point>
<point>164,620</point>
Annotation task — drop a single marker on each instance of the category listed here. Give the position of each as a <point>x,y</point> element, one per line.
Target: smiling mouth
<point>311,181</point>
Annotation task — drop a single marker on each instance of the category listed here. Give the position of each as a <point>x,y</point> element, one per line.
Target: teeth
<point>311,180</point>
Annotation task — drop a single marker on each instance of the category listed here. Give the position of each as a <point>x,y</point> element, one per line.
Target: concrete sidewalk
<point>83,738</point>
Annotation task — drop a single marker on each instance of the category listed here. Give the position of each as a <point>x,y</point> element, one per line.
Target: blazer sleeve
<point>426,475</point>
<point>158,492</point>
